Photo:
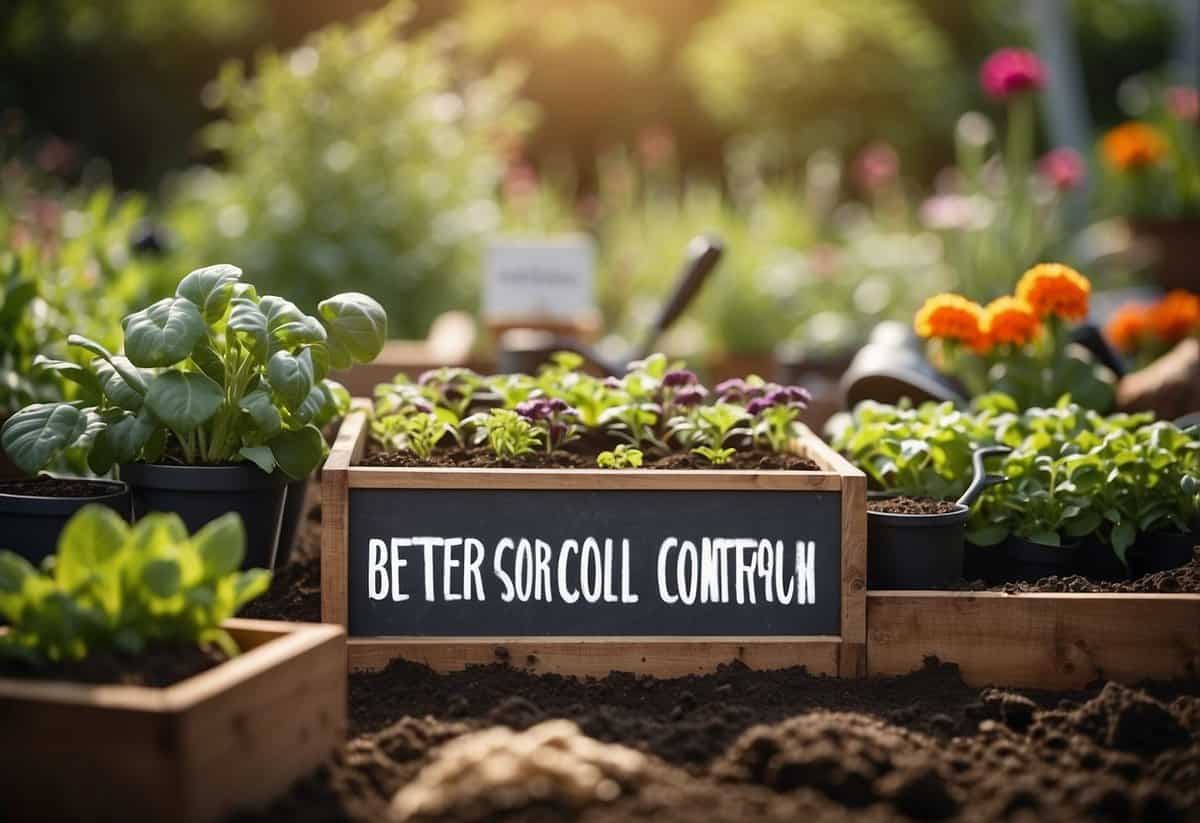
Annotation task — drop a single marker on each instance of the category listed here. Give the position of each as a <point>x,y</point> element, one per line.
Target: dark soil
<point>911,505</point>
<point>1185,579</point>
<point>157,667</point>
<point>497,742</point>
<point>46,486</point>
<point>481,458</point>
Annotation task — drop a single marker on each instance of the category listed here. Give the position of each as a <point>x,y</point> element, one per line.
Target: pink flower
<point>1062,168</point>
<point>1183,102</point>
<point>656,146</point>
<point>876,166</point>
<point>1009,72</point>
<point>520,181</point>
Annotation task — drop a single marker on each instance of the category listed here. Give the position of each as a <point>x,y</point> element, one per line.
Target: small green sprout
<point>623,456</point>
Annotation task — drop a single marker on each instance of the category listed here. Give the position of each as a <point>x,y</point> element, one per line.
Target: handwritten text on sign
<point>572,562</point>
<point>548,277</point>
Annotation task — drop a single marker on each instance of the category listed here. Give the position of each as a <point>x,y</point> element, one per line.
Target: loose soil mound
<point>911,505</point>
<point>483,459</point>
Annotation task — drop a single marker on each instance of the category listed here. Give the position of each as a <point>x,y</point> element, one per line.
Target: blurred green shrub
<point>29,25</point>
<point>807,74</point>
<point>356,162</point>
<point>70,264</point>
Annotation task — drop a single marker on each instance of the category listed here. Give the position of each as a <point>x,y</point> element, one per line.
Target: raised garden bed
<point>231,738</point>
<point>362,503</point>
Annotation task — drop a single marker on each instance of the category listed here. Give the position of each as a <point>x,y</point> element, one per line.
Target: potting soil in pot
<point>481,458</point>
<point>495,742</point>
<point>45,486</point>
<point>911,505</point>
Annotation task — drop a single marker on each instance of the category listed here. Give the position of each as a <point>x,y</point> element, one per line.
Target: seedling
<point>507,434</point>
<point>621,457</point>
<point>116,587</point>
<point>556,419</point>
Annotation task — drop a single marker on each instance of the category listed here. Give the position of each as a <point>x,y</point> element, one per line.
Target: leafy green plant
<point>214,374</point>
<point>708,429</point>
<point>358,157</point>
<point>508,434</point>
<point>623,456</point>
<point>555,417</point>
<point>115,587</point>
<point>422,433</point>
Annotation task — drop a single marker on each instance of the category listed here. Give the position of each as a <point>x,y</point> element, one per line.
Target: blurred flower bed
<point>380,154</point>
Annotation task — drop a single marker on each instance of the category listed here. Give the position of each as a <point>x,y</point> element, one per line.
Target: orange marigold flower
<point>1010,320</point>
<point>1055,289</point>
<point>1132,146</point>
<point>952,317</point>
<point>1176,316</point>
<point>1128,325</point>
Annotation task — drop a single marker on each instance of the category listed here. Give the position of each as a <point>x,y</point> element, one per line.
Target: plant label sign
<point>575,562</point>
<point>539,277</point>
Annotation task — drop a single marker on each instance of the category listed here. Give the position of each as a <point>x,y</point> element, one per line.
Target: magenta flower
<point>1062,168</point>
<point>678,378</point>
<point>1183,102</point>
<point>876,167</point>
<point>1009,72</point>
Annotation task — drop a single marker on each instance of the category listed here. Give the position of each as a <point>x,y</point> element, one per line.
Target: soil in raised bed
<point>1184,579</point>
<point>481,458</point>
<point>741,744</point>
<point>780,745</point>
<point>46,486</point>
<point>911,505</point>
<point>156,667</point>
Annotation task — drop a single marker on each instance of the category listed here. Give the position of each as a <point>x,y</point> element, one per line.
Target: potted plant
<point>1153,180</point>
<point>215,404</point>
<point>129,637</point>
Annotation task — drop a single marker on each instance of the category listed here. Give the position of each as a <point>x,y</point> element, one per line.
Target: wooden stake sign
<point>586,571</point>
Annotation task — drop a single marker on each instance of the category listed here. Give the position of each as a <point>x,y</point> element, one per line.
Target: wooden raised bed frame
<point>229,739</point>
<point>1043,640</point>
<point>843,655</point>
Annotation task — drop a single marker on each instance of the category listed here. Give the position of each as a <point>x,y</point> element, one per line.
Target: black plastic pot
<point>924,551</point>
<point>1032,561</point>
<point>1159,551</point>
<point>1096,560</point>
<point>982,562</point>
<point>30,526</point>
<point>201,494</point>
<point>915,551</point>
<point>293,517</point>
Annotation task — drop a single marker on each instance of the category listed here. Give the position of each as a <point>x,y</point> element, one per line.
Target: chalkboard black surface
<point>587,563</point>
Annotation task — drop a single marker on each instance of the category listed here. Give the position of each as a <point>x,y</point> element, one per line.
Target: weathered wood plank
<point>1051,641</point>
<point>596,657</point>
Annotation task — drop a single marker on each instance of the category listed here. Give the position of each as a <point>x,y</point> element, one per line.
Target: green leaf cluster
<point>1072,472</point>
<point>622,456</point>
<point>111,586</point>
<point>213,374</point>
<point>656,408</point>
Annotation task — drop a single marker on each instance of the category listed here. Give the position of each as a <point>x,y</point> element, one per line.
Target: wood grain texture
<point>591,479</point>
<point>335,531</point>
<point>597,657</point>
<point>1051,641</point>
<point>231,738</point>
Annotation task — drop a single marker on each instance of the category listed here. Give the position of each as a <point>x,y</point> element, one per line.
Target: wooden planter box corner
<point>232,738</point>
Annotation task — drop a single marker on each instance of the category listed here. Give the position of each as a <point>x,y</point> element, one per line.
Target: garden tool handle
<point>980,478</point>
<point>703,253</point>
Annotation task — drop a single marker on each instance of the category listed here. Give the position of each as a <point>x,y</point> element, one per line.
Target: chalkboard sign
<point>583,571</point>
<point>465,563</point>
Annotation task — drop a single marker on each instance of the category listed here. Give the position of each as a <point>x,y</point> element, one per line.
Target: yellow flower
<point>1010,320</point>
<point>1132,146</point>
<point>952,317</point>
<point>1055,289</point>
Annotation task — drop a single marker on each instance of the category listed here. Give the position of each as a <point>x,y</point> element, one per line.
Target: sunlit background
<point>845,151</point>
